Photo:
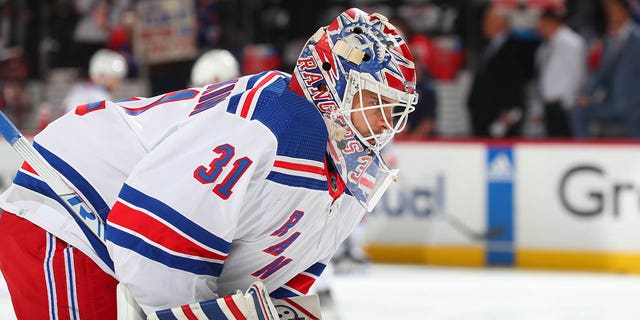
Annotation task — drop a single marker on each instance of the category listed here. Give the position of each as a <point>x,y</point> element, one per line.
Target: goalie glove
<point>255,304</point>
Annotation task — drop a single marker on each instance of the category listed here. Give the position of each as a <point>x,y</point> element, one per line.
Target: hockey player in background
<point>214,66</point>
<point>248,183</point>
<point>107,68</point>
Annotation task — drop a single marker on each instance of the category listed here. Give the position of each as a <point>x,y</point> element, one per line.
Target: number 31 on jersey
<point>209,174</point>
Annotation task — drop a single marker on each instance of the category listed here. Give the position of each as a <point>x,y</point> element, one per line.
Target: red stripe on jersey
<point>301,283</point>
<point>27,167</point>
<point>156,231</point>
<point>244,112</point>
<point>228,300</point>
<point>88,107</point>
<point>298,167</point>
<point>188,312</point>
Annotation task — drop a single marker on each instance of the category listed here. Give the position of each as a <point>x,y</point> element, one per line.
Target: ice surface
<point>419,292</point>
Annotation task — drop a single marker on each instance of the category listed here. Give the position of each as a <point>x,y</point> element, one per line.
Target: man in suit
<point>617,79</point>
<point>560,62</point>
<point>496,100</point>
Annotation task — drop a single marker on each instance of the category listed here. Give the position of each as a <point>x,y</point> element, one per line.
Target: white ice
<point>435,293</point>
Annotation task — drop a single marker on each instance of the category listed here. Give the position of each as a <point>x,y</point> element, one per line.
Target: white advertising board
<point>559,205</point>
<point>578,197</point>
<point>438,182</point>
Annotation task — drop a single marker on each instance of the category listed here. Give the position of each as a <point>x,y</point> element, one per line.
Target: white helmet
<point>214,66</point>
<point>107,64</point>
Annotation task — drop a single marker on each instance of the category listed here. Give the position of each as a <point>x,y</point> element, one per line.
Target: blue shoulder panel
<point>295,122</point>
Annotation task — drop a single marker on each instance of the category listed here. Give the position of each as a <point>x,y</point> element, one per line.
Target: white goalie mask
<point>360,74</point>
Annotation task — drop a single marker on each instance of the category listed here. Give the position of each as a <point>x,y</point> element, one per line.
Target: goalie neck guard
<point>358,52</point>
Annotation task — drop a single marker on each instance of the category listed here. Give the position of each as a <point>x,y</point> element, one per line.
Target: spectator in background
<point>92,30</point>
<point>560,62</point>
<point>497,96</point>
<point>121,35</point>
<point>422,124</point>
<point>107,68</point>
<point>617,78</point>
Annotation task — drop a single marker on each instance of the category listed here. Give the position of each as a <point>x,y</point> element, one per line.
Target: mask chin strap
<point>377,195</point>
<point>391,176</point>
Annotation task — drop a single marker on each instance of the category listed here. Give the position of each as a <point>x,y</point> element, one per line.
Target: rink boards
<point>525,204</point>
<point>545,204</point>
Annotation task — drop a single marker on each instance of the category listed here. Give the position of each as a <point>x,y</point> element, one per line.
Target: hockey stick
<point>473,234</point>
<point>71,199</point>
<point>463,228</point>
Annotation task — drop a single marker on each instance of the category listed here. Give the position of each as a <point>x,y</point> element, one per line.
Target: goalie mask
<point>360,74</point>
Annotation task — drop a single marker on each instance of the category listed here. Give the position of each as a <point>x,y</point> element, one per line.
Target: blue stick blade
<point>8,130</point>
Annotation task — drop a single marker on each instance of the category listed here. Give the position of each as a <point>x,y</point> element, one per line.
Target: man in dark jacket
<point>497,97</point>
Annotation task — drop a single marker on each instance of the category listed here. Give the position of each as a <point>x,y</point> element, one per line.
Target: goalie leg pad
<point>254,305</point>
<point>228,307</point>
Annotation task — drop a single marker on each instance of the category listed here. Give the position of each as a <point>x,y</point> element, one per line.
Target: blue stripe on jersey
<point>144,249</point>
<point>316,269</point>
<point>77,180</point>
<point>212,310</point>
<point>42,188</point>
<point>71,286</point>
<point>282,293</point>
<point>166,315</point>
<point>232,106</point>
<point>206,105</point>
<point>51,291</point>
<point>297,181</point>
<point>173,217</point>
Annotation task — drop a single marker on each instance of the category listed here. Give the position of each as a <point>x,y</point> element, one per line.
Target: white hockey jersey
<point>205,190</point>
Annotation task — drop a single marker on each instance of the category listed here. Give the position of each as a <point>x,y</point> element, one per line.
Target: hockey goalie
<point>220,202</point>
